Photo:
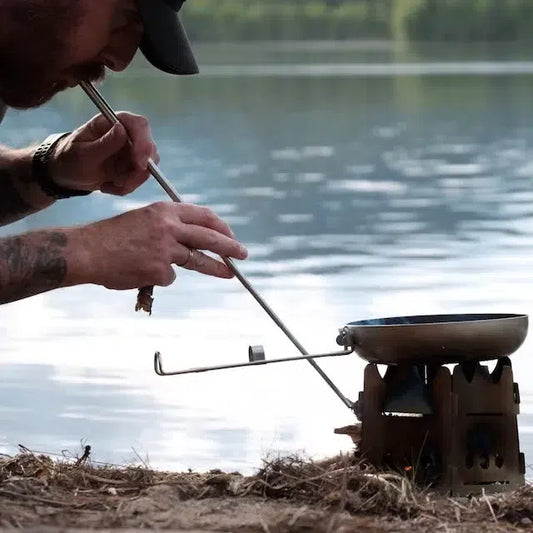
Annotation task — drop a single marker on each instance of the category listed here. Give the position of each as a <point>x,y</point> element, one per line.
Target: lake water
<point>366,181</point>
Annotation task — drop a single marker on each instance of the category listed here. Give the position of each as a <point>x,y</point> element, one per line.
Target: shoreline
<point>289,494</point>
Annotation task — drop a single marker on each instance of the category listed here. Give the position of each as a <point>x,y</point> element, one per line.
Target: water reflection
<point>358,197</point>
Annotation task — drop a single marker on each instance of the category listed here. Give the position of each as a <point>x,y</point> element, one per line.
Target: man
<point>47,46</point>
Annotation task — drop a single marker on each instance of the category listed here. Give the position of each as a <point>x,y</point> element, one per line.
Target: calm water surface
<point>366,182</point>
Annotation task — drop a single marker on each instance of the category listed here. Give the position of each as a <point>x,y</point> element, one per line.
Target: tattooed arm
<point>20,195</point>
<point>40,261</point>
<point>31,264</point>
<point>135,249</point>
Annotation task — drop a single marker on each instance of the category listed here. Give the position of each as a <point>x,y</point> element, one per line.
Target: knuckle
<point>158,207</point>
<point>182,208</point>
<point>212,240</point>
<point>163,226</point>
<point>134,120</point>
<point>156,215</point>
<point>140,122</point>
<point>127,115</point>
<point>208,215</point>
<point>222,270</point>
<point>146,148</point>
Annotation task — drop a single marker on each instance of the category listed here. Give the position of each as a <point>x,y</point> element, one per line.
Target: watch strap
<point>41,171</point>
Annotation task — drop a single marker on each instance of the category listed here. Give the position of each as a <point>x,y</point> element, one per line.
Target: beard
<point>30,87</point>
<point>32,61</point>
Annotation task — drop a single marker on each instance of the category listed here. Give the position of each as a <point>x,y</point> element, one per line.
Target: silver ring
<point>189,259</point>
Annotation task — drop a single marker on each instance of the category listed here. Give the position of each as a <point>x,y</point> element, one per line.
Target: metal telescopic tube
<point>108,112</point>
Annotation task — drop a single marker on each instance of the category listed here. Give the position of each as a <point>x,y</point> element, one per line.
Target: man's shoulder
<point>3,109</point>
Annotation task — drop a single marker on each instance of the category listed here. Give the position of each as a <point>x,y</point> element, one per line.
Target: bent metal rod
<point>108,112</point>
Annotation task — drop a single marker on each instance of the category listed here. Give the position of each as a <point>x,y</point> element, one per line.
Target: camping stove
<point>455,430</point>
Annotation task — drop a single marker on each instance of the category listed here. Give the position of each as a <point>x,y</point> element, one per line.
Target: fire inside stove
<point>454,430</point>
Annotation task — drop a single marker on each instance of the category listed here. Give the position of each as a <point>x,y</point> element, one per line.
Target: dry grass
<point>343,482</point>
<point>286,494</point>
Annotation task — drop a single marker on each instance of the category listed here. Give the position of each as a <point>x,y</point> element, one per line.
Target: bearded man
<point>47,46</point>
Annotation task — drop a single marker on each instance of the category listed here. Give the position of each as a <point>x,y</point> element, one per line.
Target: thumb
<point>108,144</point>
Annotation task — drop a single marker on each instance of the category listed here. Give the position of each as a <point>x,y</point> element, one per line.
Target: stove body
<point>454,430</point>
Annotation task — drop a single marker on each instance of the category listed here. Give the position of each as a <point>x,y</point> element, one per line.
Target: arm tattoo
<point>31,264</point>
<point>12,206</point>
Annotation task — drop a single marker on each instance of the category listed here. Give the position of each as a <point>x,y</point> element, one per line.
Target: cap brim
<point>165,43</point>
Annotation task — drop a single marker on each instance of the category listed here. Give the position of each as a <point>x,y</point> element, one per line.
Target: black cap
<point>165,43</point>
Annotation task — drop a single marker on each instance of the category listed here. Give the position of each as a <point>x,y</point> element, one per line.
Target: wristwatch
<point>41,173</point>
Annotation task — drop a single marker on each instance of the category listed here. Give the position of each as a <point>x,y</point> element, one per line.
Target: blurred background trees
<point>416,20</point>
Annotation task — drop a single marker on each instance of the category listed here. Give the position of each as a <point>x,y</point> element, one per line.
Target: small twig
<point>366,503</point>
<point>14,494</point>
<point>104,480</point>
<point>144,463</point>
<point>83,459</point>
<point>487,501</point>
<point>454,502</point>
<point>344,492</point>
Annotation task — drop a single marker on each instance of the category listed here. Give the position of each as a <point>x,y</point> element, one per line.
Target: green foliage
<point>415,20</point>
<point>233,20</point>
<point>472,20</point>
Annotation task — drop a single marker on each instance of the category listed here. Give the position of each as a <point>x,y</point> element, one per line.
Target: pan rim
<point>476,318</point>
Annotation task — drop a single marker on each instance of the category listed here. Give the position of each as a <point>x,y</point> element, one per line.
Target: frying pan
<point>437,338</point>
<point>423,339</point>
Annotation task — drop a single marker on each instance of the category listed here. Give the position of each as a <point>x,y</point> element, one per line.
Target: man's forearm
<point>38,262</point>
<point>20,194</point>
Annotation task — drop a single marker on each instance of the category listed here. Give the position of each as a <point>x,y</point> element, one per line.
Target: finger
<point>123,179</point>
<point>208,239</point>
<point>203,216</point>
<point>126,184</point>
<point>94,129</point>
<point>99,125</point>
<point>139,132</point>
<point>107,145</point>
<point>203,264</point>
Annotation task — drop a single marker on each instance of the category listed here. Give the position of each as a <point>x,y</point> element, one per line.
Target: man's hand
<point>132,250</point>
<point>138,248</point>
<point>98,156</point>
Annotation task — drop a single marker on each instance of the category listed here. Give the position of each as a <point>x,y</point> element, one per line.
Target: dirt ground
<point>289,494</point>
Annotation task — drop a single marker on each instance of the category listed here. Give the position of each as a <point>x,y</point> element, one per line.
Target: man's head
<point>49,45</point>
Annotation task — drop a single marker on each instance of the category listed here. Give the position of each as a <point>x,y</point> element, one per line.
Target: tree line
<point>416,20</point>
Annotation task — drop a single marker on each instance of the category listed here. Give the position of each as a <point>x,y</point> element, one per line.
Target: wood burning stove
<point>436,412</point>
<point>454,429</point>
